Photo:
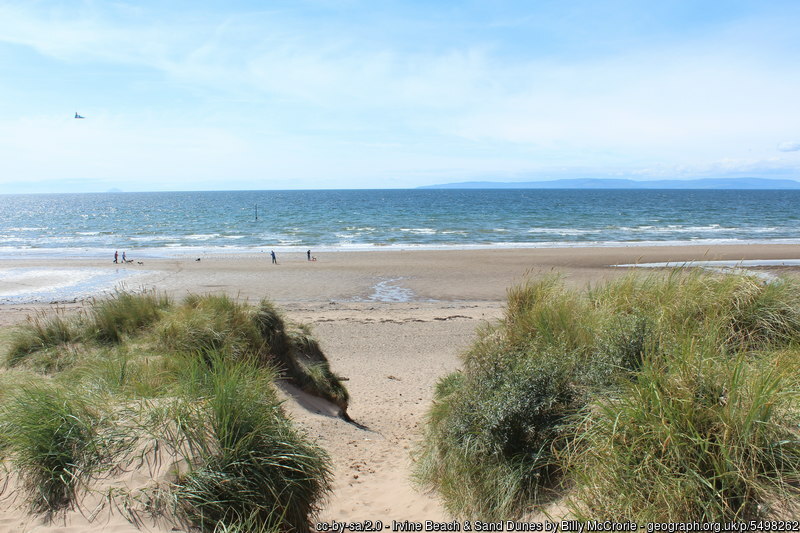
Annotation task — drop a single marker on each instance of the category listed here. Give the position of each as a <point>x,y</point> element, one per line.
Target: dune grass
<point>124,314</point>
<point>54,440</point>
<point>310,368</point>
<point>704,440</point>
<point>40,333</point>
<point>154,325</point>
<point>107,321</point>
<point>657,397</point>
<point>198,377</point>
<point>218,324</point>
<point>207,324</point>
<point>247,463</point>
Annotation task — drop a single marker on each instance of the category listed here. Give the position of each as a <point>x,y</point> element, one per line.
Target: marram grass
<point>40,332</point>
<point>707,440</point>
<point>201,324</point>
<point>54,441</point>
<point>247,461</point>
<point>658,397</point>
<point>198,377</point>
<point>125,314</point>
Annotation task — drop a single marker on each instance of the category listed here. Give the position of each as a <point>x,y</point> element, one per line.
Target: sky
<point>323,94</point>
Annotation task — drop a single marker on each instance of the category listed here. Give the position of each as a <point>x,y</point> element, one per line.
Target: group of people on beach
<point>271,253</point>
<point>275,258</point>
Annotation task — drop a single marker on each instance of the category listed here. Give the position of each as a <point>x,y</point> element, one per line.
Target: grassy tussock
<point>201,324</point>
<point>311,371</point>
<point>679,392</point>
<point>460,433</point>
<point>207,324</point>
<point>248,464</point>
<point>272,327</point>
<point>319,380</point>
<point>297,353</point>
<point>197,377</point>
<point>218,324</point>
<point>108,321</point>
<point>54,442</point>
<point>702,440</point>
<point>40,333</point>
<point>125,314</point>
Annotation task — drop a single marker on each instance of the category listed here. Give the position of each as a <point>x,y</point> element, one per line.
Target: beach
<point>392,322</point>
<point>396,275</point>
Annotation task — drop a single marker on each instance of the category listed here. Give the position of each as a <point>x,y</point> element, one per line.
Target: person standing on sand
<point>308,253</point>
<point>124,258</point>
<point>116,256</point>
<point>274,259</point>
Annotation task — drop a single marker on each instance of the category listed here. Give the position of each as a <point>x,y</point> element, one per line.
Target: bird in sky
<point>78,116</point>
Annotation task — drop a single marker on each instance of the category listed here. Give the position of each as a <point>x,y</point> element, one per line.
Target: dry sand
<point>393,322</point>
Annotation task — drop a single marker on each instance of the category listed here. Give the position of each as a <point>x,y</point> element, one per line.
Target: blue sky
<point>351,94</point>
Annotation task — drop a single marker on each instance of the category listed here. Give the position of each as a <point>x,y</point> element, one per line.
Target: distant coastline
<point>597,183</point>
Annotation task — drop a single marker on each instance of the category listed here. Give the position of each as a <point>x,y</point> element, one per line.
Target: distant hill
<point>589,183</point>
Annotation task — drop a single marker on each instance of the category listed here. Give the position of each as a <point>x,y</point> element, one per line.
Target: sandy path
<point>393,359</point>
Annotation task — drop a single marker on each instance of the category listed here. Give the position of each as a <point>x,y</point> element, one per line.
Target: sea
<point>166,224</point>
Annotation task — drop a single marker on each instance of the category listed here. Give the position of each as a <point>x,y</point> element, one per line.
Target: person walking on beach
<point>274,259</point>
<point>124,258</point>
<point>116,256</point>
<point>308,253</point>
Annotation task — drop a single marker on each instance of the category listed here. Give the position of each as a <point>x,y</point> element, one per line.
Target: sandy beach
<point>393,322</point>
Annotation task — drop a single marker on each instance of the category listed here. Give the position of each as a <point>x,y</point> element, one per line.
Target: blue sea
<point>174,223</point>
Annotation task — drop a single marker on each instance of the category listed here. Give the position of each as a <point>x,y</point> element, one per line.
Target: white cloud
<point>101,147</point>
<point>317,100</point>
<point>139,154</point>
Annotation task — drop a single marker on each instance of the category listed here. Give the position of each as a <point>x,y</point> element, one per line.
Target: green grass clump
<point>704,440</point>
<point>272,327</point>
<point>124,314</point>
<point>677,392</point>
<point>52,438</point>
<point>321,381</point>
<point>495,428</point>
<point>198,377</point>
<point>218,324</point>
<point>203,324</point>
<point>491,453</point>
<point>248,464</point>
<point>40,332</point>
<point>209,324</point>
<point>298,355</point>
<point>310,369</point>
